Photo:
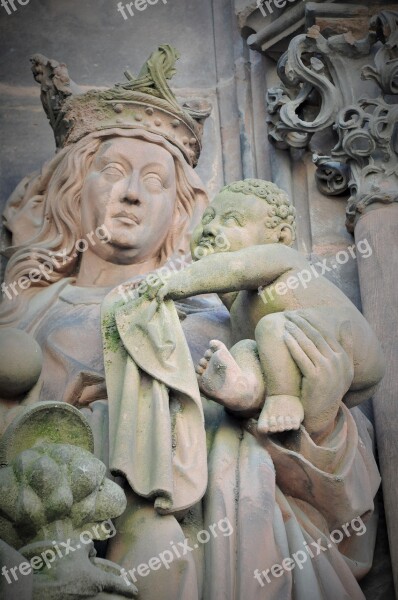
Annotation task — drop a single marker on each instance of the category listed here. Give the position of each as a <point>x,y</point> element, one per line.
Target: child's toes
<point>215,345</point>
<point>281,423</point>
<point>288,423</point>
<point>296,423</point>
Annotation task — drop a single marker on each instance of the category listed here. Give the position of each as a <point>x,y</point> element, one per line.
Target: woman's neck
<point>95,271</point>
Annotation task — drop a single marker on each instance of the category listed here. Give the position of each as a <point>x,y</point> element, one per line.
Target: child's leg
<point>282,409</point>
<point>233,378</point>
<point>368,360</point>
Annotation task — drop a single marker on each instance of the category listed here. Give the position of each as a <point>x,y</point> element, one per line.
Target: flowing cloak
<point>302,511</point>
<point>283,502</point>
<point>156,422</point>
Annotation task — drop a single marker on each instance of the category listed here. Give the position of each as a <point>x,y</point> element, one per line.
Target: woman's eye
<point>153,180</point>
<point>113,170</point>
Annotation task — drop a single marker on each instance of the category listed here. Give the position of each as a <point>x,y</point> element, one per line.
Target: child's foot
<point>221,379</point>
<point>280,413</point>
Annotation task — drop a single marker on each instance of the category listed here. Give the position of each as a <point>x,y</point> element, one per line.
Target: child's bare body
<point>258,372</point>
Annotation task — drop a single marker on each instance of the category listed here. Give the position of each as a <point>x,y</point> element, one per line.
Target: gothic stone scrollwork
<point>367,144</point>
<point>313,88</point>
<point>385,72</point>
<point>316,96</point>
<point>367,132</point>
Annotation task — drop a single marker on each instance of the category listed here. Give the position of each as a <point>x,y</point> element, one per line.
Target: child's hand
<point>156,291</point>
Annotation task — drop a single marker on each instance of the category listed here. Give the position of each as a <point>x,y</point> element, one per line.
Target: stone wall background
<point>97,45</point>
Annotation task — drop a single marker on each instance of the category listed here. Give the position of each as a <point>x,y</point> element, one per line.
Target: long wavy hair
<point>61,227</point>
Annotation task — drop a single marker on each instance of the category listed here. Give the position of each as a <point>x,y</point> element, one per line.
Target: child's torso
<point>286,293</point>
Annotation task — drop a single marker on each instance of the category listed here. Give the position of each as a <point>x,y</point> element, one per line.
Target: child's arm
<point>223,272</point>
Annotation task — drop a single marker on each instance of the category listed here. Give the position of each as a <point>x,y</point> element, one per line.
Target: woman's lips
<point>127,218</point>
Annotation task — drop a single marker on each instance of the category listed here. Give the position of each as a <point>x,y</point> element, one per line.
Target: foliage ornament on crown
<point>142,102</point>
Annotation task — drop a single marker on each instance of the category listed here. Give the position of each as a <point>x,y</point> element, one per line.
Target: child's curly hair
<point>281,209</point>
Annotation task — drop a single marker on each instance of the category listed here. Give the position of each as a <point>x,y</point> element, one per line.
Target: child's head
<point>245,213</point>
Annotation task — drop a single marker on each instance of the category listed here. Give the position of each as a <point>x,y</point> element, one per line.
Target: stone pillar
<point>365,162</point>
<point>378,275</point>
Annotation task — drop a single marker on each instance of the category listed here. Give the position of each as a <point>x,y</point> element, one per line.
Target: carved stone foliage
<point>385,71</point>
<point>56,496</point>
<point>366,152</point>
<point>327,103</point>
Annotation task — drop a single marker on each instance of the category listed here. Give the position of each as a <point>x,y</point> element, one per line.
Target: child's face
<point>231,222</point>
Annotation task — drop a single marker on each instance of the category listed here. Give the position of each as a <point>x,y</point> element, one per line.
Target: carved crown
<point>143,102</point>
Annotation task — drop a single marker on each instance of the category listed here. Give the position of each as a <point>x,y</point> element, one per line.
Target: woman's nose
<point>131,193</point>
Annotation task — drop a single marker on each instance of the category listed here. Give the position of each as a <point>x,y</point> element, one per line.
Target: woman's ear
<point>287,234</point>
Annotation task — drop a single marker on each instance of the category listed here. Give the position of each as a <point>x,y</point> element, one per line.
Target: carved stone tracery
<point>327,88</point>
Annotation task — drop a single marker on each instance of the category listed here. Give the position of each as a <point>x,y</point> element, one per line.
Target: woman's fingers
<point>319,341</point>
<point>300,330</point>
<point>298,354</point>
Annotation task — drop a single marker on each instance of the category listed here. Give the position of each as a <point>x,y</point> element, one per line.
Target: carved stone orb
<point>20,364</point>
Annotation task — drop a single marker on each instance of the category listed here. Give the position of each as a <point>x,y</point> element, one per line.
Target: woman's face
<point>130,190</point>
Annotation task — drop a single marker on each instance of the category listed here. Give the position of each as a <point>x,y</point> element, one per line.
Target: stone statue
<point>214,507</point>
<point>254,216</point>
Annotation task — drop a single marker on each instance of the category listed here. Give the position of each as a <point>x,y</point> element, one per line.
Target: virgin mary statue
<point>214,511</point>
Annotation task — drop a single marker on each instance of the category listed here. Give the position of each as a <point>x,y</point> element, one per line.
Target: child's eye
<point>233,219</point>
<point>207,217</point>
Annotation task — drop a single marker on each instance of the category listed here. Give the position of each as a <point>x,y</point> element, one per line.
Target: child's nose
<point>211,229</point>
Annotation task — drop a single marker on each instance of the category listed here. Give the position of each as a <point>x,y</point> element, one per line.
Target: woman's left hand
<point>327,368</point>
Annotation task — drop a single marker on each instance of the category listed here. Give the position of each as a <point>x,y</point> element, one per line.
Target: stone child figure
<point>257,219</point>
